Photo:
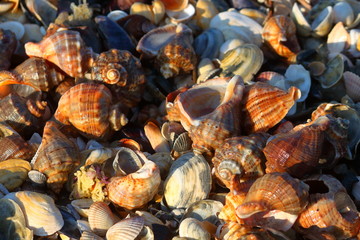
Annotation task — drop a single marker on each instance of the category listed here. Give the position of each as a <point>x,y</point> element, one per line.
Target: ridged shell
<point>88,107</point>
<point>56,157</point>
<point>193,229</point>
<point>154,12</point>
<point>280,34</point>
<point>245,61</point>
<point>352,85</point>
<point>65,49</point>
<point>41,214</point>
<point>240,155</point>
<point>307,147</point>
<point>135,189</point>
<point>330,212</point>
<point>264,106</point>
<point>13,172</point>
<point>101,218</point>
<point>86,235</point>
<point>189,181</point>
<point>271,196</point>
<point>127,229</point>
<point>12,221</point>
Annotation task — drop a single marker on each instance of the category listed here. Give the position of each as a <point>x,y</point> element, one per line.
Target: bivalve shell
<point>101,218</point>
<point>127,229</point>
<point>13,172</point>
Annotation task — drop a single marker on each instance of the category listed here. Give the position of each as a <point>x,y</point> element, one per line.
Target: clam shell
<point>126,229</point>
<point>333,72</point>
<point>41,214</point>
<point>82,206</point>
<point>296,75</point>
<point>189,181</point>
<point>86,235</point>
<point>323,23</point>
<point>13,172</point>
<point>12,221</point>
<point>37,177</point>
<point>181,16</point>
<point>229,45</point>
<point>343,13</point>
<point>204,210</point>
<point>244,61</point>
<point>193,229</point>
<point>302,25</point>
<point>352,85</point>
<point>116,15</point>
<point>208,43</point>
<point>338,40</point>
<point>101,218</point>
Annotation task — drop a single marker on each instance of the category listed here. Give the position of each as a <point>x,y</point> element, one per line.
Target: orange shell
<point>279,33</point>
<point>265,105</point>
<point>65,49</point>
<point>236,231</point>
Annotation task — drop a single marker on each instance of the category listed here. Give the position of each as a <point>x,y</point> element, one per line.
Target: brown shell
<point>24,115</point>
<point>272,195</point>
<point>317,144</point>
<point>12,145</point>
<point>87,107</point>
<point>265,105</point>
<point>279,33</point>
<point>240,155</point>
<point>8,44</point>
<point>122,73</point>
<point>56,157</point>
<point>136,25</point>
<point>330,212</point>
<point>66,50</point>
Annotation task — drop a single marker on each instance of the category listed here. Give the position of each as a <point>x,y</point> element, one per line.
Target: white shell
<point>302,25</point>
<point>193,229</point>
<point>296,75</point>
<point>127,229</point>
<point>343,13</point>
<point>228,45</point>
<point>82,206</point>
<point>323,23</point>
<point>338,40</point>
<point>181,16</point>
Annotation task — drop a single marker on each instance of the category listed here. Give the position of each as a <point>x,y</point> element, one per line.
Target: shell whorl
<point>228,168</point>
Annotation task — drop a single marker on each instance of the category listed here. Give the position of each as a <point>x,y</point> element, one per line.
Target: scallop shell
<point>13,172</point>
<point>12,221</point>
<point>208,43</point>
<point>280,34</point>
<point>261,108</point>
<point>189,181</point>
<point>330,211</point>
<point>244,61</point>
<point>126,229</point>
<point>101,218</point>
<point>65,49</point>
<point>41,214</point>
<point>242,156</point>
<point>274,200</point>
<point>135,189</point>
<point>56,157</point>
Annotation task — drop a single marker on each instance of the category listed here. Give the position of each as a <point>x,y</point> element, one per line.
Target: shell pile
<point>179,119</point>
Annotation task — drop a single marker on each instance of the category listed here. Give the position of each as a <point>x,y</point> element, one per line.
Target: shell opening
<point>317,186</point>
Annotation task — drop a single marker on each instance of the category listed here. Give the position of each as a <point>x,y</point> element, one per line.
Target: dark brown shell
<point>8,43</point>
<point>136,25</point>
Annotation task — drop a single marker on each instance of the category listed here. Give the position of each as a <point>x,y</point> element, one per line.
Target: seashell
<point>323,23</point>
<point>41,214</point>
<point>244,61</point>
<point>163,160</point>
<point>157,141</point>
<point>205,11</point>
<point>135,189</point>
<point>343,13</point>
<point>287,152</point>
<point>271,77</point>
<point>238,24</point>
<point>8,44</point>
<point>175,5</point>
<point>82,206</point>
<point>12,221</point>
<point>65,49</point>
<point>302,25</point>
<point>128,228</point>
<point>338,40</point>
<point>154,12</point>
<point>146,234</point>
<point>229,45</point>
<point>296,75</point>
<point>12,145</point>
<point>178,54</point>
<point>204,210</point>
<point>86,235</point>
<point>316,68</point>
<point>126,4</point>
<point>149,219</point>
<point>136,25</point>
<point>254,14</point>
<point>352,85</point>
<point>193,229</point>
<point>354,43</point>
<point>274,200</point>
<point>330,211</point>
<point>129,143</point>
<point>116,15</point>
<point>170,130</point>
<point>207,69</point>
<point>9,6</point>
<point>43,11</point>
<point>181,16</point>
<point>126,161</point>
<point>260,118</point>
<point>37,177</point>
<point>188,181</point>
<point>333,72</point>
<point>207,44</point>
<point>182,143</point>
<point>280,34</point>
<point>16,27</point>
<point>13,172</point>
<point>99,155</point>
<point>101,218</point>
<point>56,157</point>
<point>242,156</point>
<point>90,98</point>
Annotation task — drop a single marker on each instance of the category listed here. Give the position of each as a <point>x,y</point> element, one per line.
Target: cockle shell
<point>135,189</point>
<point>274,200</point>
<point>280,34</point>
<point>352,85</point>
<point>188,181</point>
<point>330,212</point>
<point>128,228</point>
<point>41,214</point>
<point>242,156</point>
<point>261,109</point>
<point>56,157</point>
<point>87,235</point>
<point>13,172</point>
<point>12,221</point>
<point>317,144</point>
<point>65,49</point>
<point>88,107</point>
<point>101,218</point>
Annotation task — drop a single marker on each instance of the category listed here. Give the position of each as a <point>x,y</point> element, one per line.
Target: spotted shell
<point>271,196</point>
<point>65,49</point>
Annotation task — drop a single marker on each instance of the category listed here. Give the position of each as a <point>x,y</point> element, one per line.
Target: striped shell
<point>126,229</point>
<point>101,218</point>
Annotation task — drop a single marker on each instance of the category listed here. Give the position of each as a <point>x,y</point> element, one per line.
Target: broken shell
<point>189,181</point>
<point>13,172</point>
<point>271,196</point>
<point>244,61</point>
<point>128,228</point>
<point>352,85</point>
<point>208,43</point>
<point>101,218</point>
<point>41,214</point>
<point>193,229</point>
